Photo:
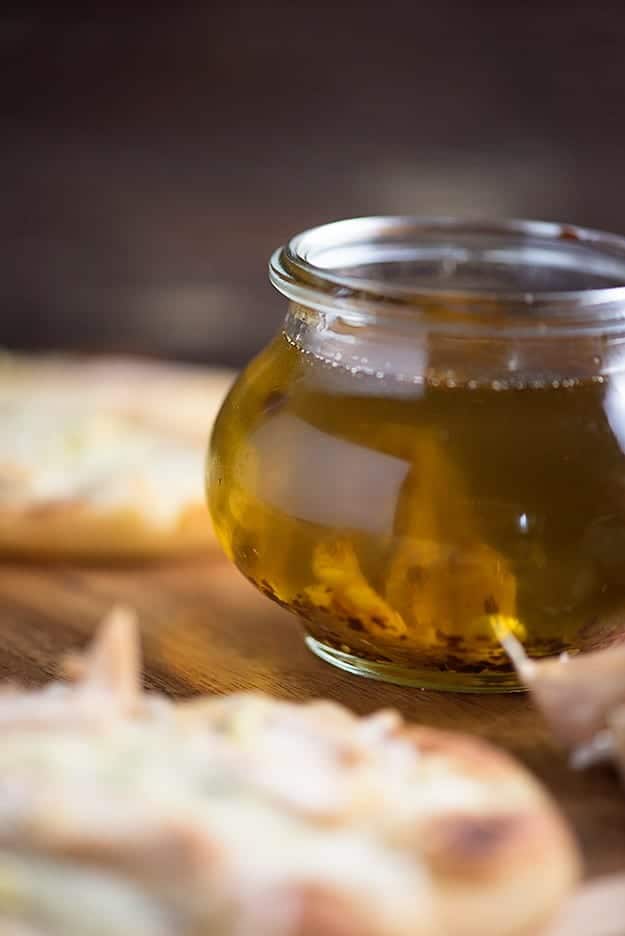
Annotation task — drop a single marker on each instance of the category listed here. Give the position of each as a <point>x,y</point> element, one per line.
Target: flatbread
<point>103,457</point>
<point>243,815</point>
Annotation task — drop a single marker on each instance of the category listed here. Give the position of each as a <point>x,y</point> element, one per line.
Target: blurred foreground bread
<point>103,457</point>
<point>241,815</point>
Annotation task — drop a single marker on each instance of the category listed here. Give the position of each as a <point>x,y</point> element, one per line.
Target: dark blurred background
<point>152,156</point>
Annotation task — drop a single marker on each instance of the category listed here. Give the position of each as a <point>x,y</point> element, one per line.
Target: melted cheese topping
<point>109,436</point>
<point>140,781</point>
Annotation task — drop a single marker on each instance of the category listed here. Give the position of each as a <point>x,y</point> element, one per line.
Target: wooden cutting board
<point>206,630</point>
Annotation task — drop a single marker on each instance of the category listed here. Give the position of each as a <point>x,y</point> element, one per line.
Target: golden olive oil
<point>407,521</point>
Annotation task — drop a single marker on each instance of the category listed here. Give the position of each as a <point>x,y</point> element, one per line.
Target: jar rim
<point>510,276</point>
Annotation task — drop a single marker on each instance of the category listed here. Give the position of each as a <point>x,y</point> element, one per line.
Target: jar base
<point>417,679</point>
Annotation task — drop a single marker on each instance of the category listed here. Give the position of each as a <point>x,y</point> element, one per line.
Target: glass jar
<point>430,452</point>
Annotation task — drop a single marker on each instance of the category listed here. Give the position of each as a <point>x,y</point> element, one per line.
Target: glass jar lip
<point>308,271</point>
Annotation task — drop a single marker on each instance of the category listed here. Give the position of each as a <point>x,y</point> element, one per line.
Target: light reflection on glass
<point>328,478</point>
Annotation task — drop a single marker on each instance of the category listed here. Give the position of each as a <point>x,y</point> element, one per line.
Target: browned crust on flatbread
<point>472,755</point>
<point>71,530</point>
<point>483,848</point>
<point>321,911</point>
<point>504,871</point>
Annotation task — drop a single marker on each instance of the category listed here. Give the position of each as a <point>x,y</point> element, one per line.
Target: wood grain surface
<point>206,630</point>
